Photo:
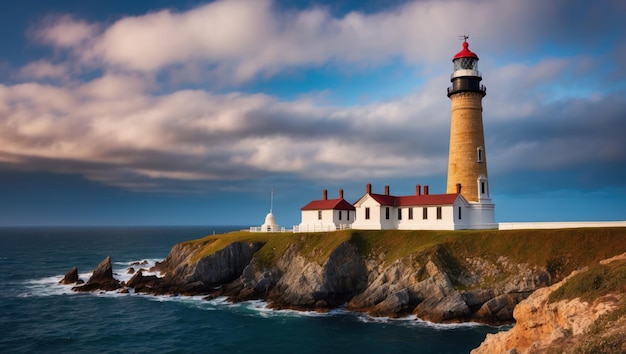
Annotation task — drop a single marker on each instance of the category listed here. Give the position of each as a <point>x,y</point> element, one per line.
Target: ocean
<point>37,315</point>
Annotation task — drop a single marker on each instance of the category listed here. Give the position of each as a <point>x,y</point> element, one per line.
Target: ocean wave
<point>120,269</point>
<point>49,286</point>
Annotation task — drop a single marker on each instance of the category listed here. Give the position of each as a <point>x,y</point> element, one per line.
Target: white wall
<point>431,223</point>
<point>481,216</point>
<point>329,222</point>
<point>374,221</point>
<point>558,225</point>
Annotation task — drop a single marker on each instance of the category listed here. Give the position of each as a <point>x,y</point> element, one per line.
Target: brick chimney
<point>458,188</point>
<point>368,188</point>
<point>418,190</point>
<point>325,194</point>
<point>340,193</point>
<point>386,189</point>
<point>425,190</point>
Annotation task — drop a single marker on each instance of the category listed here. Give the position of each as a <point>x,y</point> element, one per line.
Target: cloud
<point>112,132</point>
<point>43,69</point>
<point>125,126</point>
<point>235,41</point>
<point>64,31</point>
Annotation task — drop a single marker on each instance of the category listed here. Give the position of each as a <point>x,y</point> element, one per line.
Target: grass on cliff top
<point>597,281</point>
<point>210,244</point>
<point>561,250</point>
<point>315,247</point>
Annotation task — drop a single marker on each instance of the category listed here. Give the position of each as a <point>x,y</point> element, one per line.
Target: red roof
<point>409,200</point>
<point>465,53</point>
<point>325,204</point>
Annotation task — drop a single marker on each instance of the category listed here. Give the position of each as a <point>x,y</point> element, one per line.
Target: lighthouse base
<point>481,216</point>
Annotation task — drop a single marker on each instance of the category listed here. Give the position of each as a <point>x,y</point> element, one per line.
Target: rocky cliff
<point>578,323</point>
<point>438,276</point>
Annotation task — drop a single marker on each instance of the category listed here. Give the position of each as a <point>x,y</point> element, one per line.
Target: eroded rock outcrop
<point>309,285</point>
<point>71,277</point>
<point>101,279</point>
<point>543,326</point>
<point>220,267</point>
<point>420,284</point>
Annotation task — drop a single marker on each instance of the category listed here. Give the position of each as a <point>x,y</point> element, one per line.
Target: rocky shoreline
<point>443,278</point>
<point>421,284</point>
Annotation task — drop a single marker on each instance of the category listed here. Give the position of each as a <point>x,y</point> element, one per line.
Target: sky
<point>191,112</point>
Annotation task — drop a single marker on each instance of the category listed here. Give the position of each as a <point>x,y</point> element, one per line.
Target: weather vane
<point>464,37</point>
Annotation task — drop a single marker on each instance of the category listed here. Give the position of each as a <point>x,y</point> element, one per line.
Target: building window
<point>424,213</point>
<point>339,214</point>
<point>387,213</point>
<point>438,213</point>
<point>347,214</point>
<point>399,214</point>
<point>482,187</point>
<point>319,215</point>
<point>459,213</point>
<point>410,213</point>
<point>479,152</point>
<point>367,213</point>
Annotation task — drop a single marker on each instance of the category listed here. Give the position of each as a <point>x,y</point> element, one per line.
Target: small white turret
<point>270,222</point>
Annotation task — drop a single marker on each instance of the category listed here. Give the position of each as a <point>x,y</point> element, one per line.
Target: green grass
<point>599,280</point>
<point>317,247</point>
<point>277,244</point>
<point>399,244</point>
<point>213,243</point>
<point>561,250</point>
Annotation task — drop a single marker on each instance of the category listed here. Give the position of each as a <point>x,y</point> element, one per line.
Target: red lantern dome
<point>465,53</point>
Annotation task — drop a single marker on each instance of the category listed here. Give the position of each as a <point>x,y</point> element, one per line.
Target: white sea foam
<point>49,286</point>
<point>120,269</point>
<point>445,326</point>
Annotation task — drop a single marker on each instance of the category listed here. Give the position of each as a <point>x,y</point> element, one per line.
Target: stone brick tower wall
<point>467,138</point>
<point>467,160</point>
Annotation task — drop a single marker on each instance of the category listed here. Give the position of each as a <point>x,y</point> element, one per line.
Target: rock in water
<point>103,272</point>
<point>71,277</point>
<point>101,279</point>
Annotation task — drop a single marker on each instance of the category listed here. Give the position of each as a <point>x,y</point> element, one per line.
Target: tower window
<point>410,213</point>
<point>424,213</point>
<point>438,213</point>
<point>399,214</point>
<point>479,152</point>
<point>319,215</point>
<point>387,213</point>
<point>367,213</point>
<point>482,187</point>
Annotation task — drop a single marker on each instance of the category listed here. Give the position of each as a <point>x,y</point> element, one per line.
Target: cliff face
<point>563,326</point>
<point>440,277</point>
<point>417,284</point>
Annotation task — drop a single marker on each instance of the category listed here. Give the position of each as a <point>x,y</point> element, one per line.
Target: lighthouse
<point>467,158</point>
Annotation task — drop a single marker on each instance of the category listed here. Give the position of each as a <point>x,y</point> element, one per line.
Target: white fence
<point>320,227</point>
<point>558,225</point>
<point>261,229</point>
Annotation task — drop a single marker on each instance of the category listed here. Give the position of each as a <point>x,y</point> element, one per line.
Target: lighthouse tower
<point>467,159</point>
